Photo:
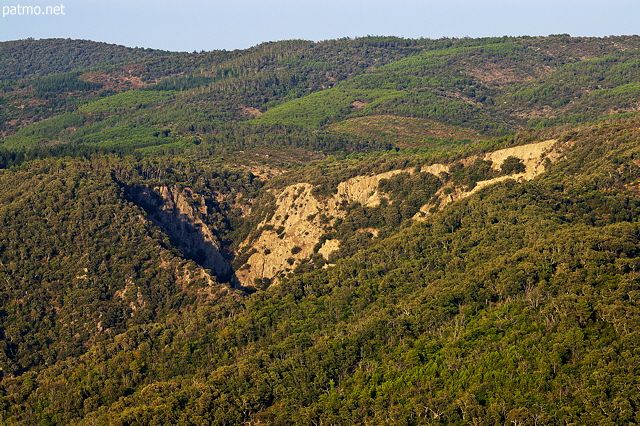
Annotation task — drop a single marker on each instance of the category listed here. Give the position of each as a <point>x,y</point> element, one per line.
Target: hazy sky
<point>189,25</point>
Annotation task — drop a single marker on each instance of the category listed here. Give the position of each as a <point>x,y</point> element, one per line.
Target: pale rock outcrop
<point>299,221</point>
<point>289,235</point>
<point>436,169</point>
<point>329,247</point>
<point>293,231</point>
<point>364,189</point>
<point>533,156</point>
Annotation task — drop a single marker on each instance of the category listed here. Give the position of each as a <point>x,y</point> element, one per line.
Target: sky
<point>197,25</point>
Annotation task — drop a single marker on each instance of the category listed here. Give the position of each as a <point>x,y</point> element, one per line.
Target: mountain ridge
<point>302,79</point>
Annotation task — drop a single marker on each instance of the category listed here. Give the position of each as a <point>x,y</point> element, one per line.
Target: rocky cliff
<point>300,225</point>
<point>294,232</point>
<point>180,213</point>
<point>533,157</point>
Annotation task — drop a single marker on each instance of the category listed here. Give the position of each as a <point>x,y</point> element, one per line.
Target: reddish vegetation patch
<point>403,131</point>
<point>32,102</point>
<point>124,79</point>
<point>12,126</point>
<point>358,105</point>
<point>537,112</point>
<point>267,162</point>
<point>496,75</point>
<point>254,112</point>
<point>570,108</point>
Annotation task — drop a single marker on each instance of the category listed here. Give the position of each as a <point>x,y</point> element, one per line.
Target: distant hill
<point>22,58</point>
<point>481,87</point>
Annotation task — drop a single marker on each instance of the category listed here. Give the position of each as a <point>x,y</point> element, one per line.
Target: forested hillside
<point>356,231</point>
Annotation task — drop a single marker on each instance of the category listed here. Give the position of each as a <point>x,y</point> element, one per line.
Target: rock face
<point>180,214</point>
<point>364,189</point>
<point>296,229</point>
<point>290,235</point>
<point>300,219</point>
<point>533,156</point>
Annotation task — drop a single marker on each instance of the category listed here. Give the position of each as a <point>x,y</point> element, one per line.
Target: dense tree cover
<point>517,305</point>
<point>79,261</point>
<point>491,86</point>
<point>70,243</point>
<point>223,86</point>
<point>22,58</point>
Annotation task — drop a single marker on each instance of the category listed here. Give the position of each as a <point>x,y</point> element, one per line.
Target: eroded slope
<point>302,223</point>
